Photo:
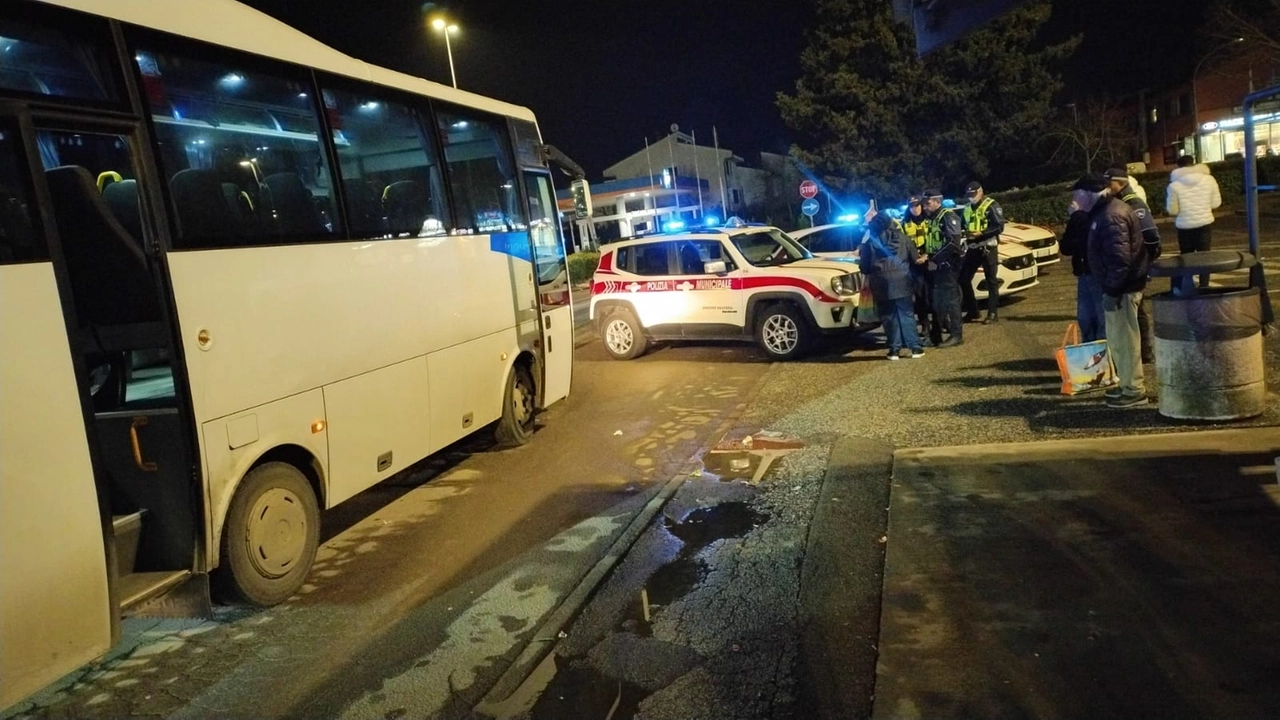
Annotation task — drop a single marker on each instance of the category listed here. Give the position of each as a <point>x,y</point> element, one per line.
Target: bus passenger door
<point>55,610</point>
<point>123,337</point>
<point>555,307</point>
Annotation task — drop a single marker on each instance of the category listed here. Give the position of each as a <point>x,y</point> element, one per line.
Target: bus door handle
<point>143,465</point>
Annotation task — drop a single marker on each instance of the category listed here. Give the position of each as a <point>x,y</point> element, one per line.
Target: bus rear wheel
<point>271,536</point>
<point>519,403</point>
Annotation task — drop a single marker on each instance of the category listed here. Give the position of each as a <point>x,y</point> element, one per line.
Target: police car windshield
<point>769,246</point>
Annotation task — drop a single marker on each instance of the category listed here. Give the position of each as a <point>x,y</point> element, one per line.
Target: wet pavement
<point>1124,578</point>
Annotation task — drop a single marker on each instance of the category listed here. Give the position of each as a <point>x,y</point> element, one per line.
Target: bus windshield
<point>768,247</point>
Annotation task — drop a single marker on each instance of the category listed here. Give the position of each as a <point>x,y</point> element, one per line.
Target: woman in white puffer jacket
<point>1192,196</point>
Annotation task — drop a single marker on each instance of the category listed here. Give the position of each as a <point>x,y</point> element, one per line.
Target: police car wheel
<point>782,332</point>
<point>623,337</point>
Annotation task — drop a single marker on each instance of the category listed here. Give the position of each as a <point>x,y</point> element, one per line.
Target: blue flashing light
<point>711,221</point>
<point>850,218</point>
<point>673,225</point>
<point>948,203</point>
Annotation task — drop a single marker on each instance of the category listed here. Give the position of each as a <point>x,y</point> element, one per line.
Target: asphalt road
<point>428,583</point>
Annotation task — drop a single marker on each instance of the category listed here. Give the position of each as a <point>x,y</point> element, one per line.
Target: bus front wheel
<point>519,402</point>
<point>271,536</point>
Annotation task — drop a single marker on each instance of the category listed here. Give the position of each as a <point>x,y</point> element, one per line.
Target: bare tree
<point>1257,22</point>
<point>1091,133</point>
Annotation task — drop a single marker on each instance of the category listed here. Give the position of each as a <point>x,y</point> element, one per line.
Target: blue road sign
<point>809,207</point>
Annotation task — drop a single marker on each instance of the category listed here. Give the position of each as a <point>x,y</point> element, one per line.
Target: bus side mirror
<point>715,267</point>
<point>581,199</point>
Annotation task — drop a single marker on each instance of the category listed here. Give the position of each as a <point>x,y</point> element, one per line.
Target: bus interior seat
<point>295,206</point>
<point>110,280</point>
<point>205,215</point>
<point>122,198</point>
<point>363,209</point>
<point>408,206</point>
<point>17,236</point>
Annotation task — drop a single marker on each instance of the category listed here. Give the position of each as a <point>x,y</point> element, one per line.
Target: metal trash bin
<point>1208,342</point>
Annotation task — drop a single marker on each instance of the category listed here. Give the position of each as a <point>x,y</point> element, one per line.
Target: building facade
<point>1209,106</point>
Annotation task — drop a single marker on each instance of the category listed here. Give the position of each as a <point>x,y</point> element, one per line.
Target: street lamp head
<point>438,23</point>
<point>444,26</point>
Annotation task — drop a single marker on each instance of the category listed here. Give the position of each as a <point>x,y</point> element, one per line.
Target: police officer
<point>945,252</point>
<point>983,223</point>
<point>1118,186</point>
<point>916,227</point>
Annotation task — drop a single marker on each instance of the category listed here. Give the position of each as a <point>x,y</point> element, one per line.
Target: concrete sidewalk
<point>1123,577</point>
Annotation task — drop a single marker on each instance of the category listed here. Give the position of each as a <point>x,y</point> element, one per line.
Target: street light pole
<point>1195,96</point>
<point>448,29</point>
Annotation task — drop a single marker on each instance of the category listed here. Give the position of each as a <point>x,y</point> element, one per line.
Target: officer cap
<point>933,194</point>
<point>913,200</point>
<point>972,188</point>
<point>1116,173</point>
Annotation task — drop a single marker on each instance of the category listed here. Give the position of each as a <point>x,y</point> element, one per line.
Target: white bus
<point>243,277</point>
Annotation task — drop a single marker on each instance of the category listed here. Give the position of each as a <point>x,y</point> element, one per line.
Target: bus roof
<point>235,25</point>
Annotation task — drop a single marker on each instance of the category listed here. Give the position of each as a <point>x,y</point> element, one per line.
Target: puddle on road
<point>747,457</point>
<point>580,692</point>
<point>677,578</point>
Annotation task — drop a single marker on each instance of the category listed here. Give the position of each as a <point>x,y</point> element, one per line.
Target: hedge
<point>1047,204</point>
<point>582,265</point>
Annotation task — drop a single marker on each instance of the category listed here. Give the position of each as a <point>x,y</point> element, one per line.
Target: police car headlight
<point>845,284</point>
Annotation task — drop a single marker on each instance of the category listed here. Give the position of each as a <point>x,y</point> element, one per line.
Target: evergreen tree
<point>868,111</point>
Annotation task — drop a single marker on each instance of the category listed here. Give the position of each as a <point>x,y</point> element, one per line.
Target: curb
<point>543,640</point>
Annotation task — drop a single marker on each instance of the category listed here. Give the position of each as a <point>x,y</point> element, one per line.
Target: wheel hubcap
<point>522,400</point>
<point>618,337</point>
<point>780,334</point>
<point>277,532</point>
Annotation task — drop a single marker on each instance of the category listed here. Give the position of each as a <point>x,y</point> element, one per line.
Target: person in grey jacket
<point>1119,260</point>
<point>885,258</point>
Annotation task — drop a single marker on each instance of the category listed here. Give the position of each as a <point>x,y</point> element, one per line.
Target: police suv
<point>740,282</point>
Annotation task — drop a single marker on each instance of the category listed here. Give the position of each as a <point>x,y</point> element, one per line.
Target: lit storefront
<point>1224,137</point>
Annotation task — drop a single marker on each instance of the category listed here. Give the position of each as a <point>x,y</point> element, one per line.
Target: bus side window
<point>239,143</point>
<point>482,173</point>
<point>20,237</point>
<point>391,175</point>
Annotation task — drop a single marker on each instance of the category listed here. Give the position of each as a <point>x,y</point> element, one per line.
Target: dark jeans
<point>1196,240</point>
<point>946,299</point>
<point>1089,316</point>
<point>925,316</point>
<point>987,258</point>
<point>899,324</point>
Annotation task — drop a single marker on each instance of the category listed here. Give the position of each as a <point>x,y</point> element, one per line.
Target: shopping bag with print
<point>1084,366</point>
<point>866,307</point>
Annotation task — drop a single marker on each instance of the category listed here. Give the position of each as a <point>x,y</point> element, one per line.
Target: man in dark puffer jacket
<point>1119,261</point>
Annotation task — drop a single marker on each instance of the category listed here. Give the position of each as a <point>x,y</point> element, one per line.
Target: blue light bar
<point>674,225</point>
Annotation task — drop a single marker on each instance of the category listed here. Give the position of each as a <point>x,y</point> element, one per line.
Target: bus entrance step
<point>128,529</point>
<point>137,588</point>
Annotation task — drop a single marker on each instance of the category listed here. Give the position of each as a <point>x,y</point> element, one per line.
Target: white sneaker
<point>917,354</point>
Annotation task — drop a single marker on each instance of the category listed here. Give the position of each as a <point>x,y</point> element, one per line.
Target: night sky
<point>601,76</point>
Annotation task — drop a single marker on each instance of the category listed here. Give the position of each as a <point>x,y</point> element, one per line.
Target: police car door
<point>713,303</point>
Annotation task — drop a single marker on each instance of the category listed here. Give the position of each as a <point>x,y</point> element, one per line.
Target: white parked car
<point>1039,240</point>
<point>1018,267</point>
<point>748,282</point>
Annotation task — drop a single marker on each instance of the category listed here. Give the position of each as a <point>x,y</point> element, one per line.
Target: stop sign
<point>808,189</point>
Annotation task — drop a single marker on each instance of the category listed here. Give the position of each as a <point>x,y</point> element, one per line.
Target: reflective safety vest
<point>975,219</point>
<point>916,230</point>
<point>933,239</point>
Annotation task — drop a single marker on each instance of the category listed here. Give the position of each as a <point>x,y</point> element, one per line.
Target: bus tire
<point>519,404</point>
<point>271,536</point>
<point>623,337</point>
<point>782,332</point>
